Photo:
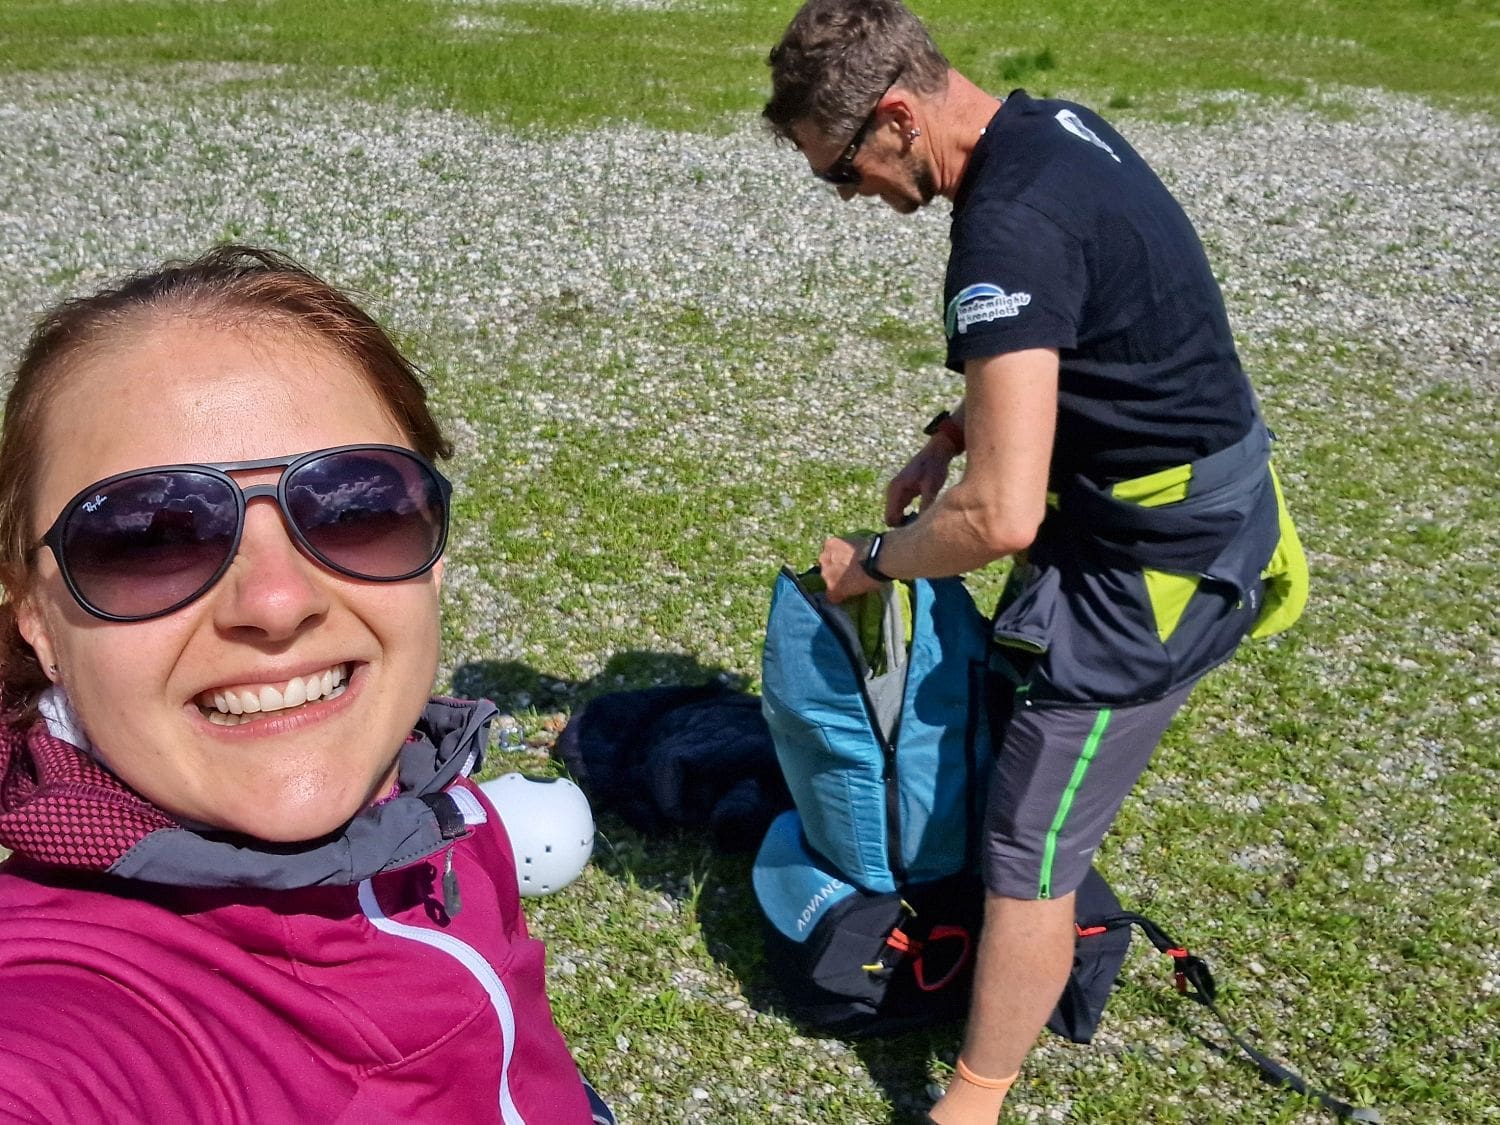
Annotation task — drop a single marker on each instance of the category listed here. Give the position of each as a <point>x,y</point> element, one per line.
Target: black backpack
<point>882,964</point>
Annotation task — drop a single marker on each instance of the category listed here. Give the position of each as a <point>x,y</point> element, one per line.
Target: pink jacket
<point>151,973</point>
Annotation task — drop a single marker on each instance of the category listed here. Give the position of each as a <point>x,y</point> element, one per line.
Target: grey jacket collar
<point>448,743</point>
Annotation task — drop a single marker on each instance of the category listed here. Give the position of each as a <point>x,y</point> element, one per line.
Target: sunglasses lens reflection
<point>369,513</point>
<point>149,543</point>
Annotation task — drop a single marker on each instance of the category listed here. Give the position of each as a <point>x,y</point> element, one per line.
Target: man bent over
<point>1114,449</point>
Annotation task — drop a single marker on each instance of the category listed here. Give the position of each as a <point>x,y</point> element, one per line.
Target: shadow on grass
<point>716,885</point>
<point>513,686</point>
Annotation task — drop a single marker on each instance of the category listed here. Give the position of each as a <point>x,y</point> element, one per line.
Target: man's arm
<point>924,476</point>
<point>994,510</point>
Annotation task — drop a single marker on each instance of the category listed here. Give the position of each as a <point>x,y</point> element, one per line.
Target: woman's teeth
<point>230,707</point>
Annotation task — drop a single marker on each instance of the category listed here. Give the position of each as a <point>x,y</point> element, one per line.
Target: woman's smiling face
<point>276,628</point>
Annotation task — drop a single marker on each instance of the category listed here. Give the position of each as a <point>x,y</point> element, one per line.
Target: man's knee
<point>1019,906</point>
<point>1026,946</point>
<point>1005,908</point>
<point>1019,923</point>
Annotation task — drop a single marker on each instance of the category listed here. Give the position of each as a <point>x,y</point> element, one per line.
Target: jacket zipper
<point>887,747</point>
<point>482,971</point>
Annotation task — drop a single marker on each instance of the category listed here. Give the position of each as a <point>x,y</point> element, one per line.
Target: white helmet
<point>550,827</point>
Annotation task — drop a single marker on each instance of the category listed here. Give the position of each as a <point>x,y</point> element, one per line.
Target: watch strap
<point>944,423</point>
<point>870,561</point>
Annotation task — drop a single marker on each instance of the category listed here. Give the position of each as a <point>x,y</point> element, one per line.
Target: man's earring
<point>912,135</point>
<point>52,668</point>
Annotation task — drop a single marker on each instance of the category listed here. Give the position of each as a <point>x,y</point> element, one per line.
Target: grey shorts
<point>1060,776</point>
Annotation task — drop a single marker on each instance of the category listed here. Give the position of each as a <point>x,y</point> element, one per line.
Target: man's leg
<point>1060,777</point>
<point>1025,954</point>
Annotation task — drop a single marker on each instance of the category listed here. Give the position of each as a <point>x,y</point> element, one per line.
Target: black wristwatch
<point>943,423</point>
<point>870,564</point>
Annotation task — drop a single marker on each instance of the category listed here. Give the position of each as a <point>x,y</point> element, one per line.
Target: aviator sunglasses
<point>142,544</point>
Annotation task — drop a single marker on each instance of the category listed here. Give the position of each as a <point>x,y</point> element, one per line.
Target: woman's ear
<point>35,633</point>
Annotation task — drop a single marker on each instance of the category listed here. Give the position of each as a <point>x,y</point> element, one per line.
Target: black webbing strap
<point>1196,983</point>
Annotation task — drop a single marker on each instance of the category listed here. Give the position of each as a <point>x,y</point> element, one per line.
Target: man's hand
<point>922,478</point>
<point>839,564</point>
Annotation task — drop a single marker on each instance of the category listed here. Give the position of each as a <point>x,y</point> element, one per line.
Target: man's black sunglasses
<point>842,172</point>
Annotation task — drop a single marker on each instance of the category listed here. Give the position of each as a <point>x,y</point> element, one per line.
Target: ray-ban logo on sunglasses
<point>95,504</point>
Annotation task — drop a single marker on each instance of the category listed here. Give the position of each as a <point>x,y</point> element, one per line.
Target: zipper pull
<point>452,902</point>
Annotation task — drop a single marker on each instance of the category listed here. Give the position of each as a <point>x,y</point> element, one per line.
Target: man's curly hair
<point>838,57</point>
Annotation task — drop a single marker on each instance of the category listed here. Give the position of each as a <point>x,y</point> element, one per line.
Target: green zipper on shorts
<point>1080,767</point>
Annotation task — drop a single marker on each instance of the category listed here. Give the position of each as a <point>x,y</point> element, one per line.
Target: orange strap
<point>984,1083</point>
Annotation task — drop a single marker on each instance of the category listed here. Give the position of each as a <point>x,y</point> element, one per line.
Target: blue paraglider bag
<point>879,710</point>
<point>869,888</point>
<point>876,709</point>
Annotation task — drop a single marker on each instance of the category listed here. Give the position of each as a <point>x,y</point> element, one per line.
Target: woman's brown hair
<point>239,285</point>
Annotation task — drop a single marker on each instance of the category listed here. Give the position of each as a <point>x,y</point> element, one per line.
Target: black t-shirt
<point>1064,238</point>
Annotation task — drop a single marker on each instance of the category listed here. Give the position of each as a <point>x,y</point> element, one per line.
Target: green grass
<point>548,65</point>
<point>1362,976</point>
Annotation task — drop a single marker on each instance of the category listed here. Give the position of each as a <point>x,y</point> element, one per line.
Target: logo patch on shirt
<point>976,304</point>
<point>1073,124</point>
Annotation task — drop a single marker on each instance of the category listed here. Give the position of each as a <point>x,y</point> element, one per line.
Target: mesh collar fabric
<point>59,807</point>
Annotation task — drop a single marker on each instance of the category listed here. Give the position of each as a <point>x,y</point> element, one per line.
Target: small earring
<point>912,135</point>
<point>52,668</point>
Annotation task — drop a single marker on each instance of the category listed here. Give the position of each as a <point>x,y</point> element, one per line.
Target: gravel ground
<point>1376,231</point>
<point>1365,239</point>
<point>1362,237</point>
